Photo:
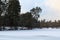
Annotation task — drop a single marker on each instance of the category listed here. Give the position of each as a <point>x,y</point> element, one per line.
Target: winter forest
<point>12,19</point>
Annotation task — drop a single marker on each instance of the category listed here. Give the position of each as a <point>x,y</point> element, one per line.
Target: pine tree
<point>1,21</point>
<point>14,13</point>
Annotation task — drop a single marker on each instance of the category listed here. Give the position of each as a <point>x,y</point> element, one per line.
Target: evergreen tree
<point>1,21</point>
<point>13,13</point>
<point>26,20</point>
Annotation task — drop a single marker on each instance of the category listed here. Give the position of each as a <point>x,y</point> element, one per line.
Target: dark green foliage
<point>12,15</point>
<point>14,12</point>
<point>13,18</point>
<point>47,24</point>
<point>27,20</point>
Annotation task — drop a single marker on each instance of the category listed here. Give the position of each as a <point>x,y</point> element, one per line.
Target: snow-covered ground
<point>35,34</point>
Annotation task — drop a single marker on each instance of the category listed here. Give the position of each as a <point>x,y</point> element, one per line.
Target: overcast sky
<point>50,8</point>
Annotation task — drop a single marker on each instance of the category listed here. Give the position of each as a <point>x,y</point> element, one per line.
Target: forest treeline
<point>51,24</point>
<point>10,16</point>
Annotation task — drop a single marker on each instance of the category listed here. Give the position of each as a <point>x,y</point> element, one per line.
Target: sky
<point>50,8</point>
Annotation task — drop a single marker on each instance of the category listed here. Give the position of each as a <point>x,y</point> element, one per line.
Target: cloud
<point>26,5</point>
<point>55,4</point>
<point>51,10</point>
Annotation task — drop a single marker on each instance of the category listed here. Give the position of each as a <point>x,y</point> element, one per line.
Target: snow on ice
<point>35,34</point>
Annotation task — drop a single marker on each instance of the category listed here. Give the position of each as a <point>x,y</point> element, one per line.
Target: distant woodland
<point>47,24</point>
<point>11,17</point>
